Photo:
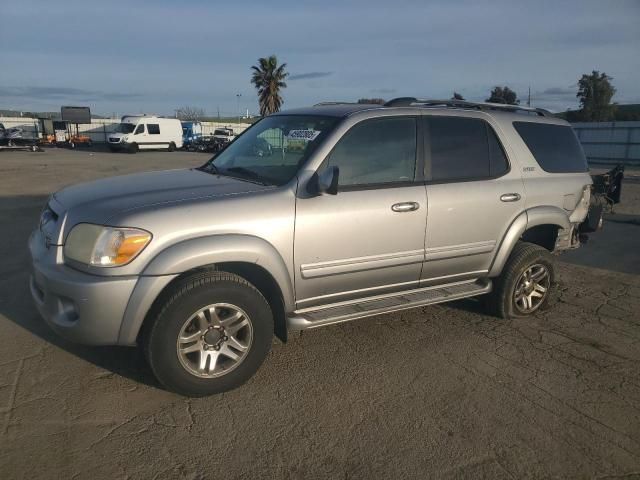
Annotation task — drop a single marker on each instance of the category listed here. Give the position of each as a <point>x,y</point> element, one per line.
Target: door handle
<point>510,197</point>
<point>405,207</point>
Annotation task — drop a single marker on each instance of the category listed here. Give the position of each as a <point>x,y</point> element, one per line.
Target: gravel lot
<point>442,391</point>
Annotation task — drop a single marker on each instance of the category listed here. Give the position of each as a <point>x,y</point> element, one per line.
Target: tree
<point>190,113</point>
<point>377,101</point>
<point>457,96</point>
<point>595,92</point>
<point>268,78</point>
<point>503,95</point>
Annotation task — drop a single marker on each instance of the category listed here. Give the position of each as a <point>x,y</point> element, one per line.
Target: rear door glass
<point>555,147</point>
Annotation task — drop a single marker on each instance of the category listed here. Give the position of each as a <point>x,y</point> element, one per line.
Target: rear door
<point>473,196</point>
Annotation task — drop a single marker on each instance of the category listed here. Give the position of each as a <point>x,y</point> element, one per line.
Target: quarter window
<point>464,149</point>
<point>555,147</point>
<point>377,151</point>
<point>153,129</point>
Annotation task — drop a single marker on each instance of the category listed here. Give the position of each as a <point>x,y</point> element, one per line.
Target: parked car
<point>385,208</point>
<point>143,132</point>
<point>206,143</point>
<point>224,136</point>
<point>191,133</point>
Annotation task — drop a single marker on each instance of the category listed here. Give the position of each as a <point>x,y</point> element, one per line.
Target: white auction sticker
<point>306,135</point>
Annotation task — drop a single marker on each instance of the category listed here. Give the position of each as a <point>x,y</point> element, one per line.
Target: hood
<point>99,200</point>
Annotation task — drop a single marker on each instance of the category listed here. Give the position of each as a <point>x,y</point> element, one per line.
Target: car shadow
<point>19,216</point>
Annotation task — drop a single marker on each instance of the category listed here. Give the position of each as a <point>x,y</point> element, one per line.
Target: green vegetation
<point>595,92</point>
<point>503,95</point>
<point>268,78</point>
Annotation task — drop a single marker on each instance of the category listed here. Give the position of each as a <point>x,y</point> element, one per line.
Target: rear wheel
<point>172,147</point>
<point>525,284</point>
<point>210,335</point>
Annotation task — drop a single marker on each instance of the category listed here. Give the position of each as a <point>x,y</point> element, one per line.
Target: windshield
<point>222,132</point>
<point>125,128</point>
<point>273,149</point>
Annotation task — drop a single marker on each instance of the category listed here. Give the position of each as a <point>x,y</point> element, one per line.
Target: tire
<point>172,147</point>
<point>112,150</point>
<point>527,261</point>
<point>176,317</point>
<point>133,148</point>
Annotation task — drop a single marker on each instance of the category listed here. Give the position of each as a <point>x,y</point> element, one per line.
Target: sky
<point>155,56</point>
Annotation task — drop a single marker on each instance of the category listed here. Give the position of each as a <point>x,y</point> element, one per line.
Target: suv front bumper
<point>83,308</point>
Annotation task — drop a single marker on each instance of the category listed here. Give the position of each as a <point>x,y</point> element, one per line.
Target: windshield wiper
<point>250,175</point>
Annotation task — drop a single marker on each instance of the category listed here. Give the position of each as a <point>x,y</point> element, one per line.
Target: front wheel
<point>172,147</point>
<point>210,335</point>
<point>525,284</point>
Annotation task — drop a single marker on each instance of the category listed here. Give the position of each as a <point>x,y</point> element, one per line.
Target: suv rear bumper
<point>83,308</point>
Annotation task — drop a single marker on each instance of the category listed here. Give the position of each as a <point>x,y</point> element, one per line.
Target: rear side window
<point>464,149</point>
<point>555,147</point>
<point>153,129</point>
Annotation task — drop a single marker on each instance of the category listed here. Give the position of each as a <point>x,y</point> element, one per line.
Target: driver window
<point>377,151</point>
<point>139,129</point>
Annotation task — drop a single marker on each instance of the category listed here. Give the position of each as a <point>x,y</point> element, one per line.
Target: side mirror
<point>326,182</point>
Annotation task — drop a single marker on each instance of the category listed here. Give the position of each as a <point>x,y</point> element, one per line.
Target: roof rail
<point>323,104</point>
<point>416,102</point>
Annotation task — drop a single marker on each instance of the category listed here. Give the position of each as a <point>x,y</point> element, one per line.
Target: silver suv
<point>353,211</point>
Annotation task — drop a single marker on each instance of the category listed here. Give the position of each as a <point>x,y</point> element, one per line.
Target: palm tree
<point>269,78</point>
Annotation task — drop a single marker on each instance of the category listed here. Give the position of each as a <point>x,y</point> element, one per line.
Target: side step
<point>345,311</point>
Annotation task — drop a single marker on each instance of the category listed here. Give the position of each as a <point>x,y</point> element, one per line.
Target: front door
<point>369,238</point>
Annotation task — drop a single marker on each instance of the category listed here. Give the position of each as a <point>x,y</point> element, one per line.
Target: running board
<point>314,317</point>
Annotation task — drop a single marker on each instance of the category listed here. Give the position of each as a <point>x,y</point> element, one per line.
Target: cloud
<point>309,75</point>
<point>62,93</point>
<point>384,90</point>
<point>559,91</point>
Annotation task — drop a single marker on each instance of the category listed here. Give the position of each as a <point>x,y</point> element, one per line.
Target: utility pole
<point>529,97</point>
<point>238,95</point>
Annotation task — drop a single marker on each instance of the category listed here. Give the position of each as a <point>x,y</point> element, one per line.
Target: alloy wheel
<point>214,340</point>
<point>532,288</point>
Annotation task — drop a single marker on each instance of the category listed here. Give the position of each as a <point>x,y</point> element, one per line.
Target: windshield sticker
<point>306,135</point>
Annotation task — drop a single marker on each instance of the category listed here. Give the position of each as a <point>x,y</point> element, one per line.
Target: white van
<point>145,132</point>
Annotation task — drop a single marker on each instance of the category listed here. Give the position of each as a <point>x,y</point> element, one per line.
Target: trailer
<point>12,139</point>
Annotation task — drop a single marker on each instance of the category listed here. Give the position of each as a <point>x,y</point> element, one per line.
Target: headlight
<point>125,138</point>
<point>105,246</point>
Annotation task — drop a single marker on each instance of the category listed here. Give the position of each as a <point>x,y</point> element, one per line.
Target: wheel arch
<point>532,224</point>
<point>249,257</point>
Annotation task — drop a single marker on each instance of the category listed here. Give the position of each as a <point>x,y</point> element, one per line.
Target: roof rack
<point>416,102</point>
<point>323,104</point>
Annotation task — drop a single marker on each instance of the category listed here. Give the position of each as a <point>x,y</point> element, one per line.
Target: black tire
<point>178,305</point>
<point>172,147</point>
<point>113,150</point>
<point>133,148</point>
<point>501,301</point>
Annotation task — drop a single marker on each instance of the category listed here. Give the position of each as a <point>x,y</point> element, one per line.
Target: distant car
<point>224,136</point>
<point>142,132</point>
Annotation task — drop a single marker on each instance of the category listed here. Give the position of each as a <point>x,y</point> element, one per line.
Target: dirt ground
<point>438,392</point>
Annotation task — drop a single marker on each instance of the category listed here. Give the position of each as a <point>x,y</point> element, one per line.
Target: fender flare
<point>199,252</point>
<point>544,215</point>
